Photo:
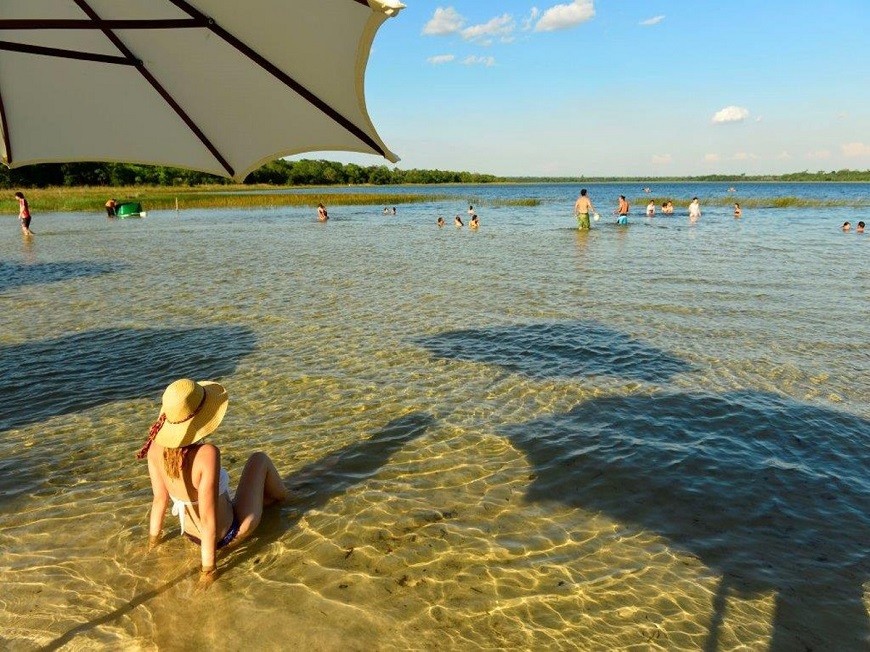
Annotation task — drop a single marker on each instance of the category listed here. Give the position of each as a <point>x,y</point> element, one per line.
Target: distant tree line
<point>307,172</point>
<point>821,175</point>
<point>277,173</point>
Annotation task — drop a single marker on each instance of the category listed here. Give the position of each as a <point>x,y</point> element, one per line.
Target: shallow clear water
<point>525,437</point>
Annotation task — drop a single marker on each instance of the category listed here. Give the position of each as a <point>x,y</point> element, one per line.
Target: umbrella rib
<point>65,54</point>
<point>279,74</point>
<point>66,23</point>
<point>140,66</point>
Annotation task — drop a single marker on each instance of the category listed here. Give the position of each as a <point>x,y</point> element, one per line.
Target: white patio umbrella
<point>221,86</point>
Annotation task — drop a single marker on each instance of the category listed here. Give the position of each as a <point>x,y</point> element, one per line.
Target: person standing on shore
<point>582,207</point>
<point>694,210</point>
<point>23,213</point>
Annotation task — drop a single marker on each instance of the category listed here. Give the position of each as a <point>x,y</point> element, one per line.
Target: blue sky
<point>623,87</point>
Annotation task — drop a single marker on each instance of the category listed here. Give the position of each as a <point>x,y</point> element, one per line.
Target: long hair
<point>173,460</point>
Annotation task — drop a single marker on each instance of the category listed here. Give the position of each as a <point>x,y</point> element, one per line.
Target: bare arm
<point>206,474</point>
<point>161,497</point>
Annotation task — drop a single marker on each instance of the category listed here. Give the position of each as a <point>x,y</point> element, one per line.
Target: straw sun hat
<point>190,411</point>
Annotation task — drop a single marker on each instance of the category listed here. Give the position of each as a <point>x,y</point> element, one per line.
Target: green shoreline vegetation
<point>153,198</point>
<point>86,186</point>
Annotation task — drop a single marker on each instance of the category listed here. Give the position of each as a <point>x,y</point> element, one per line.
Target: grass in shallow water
<point>755,202</point>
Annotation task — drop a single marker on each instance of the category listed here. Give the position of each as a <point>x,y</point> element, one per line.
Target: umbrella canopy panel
<point>214,85</point>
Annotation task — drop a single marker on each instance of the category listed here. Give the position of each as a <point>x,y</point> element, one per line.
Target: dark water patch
<point>48,378</point>
<point>356,462</point>
<point>770,492</point>
<point>16,275</point>
<point>559,350</point>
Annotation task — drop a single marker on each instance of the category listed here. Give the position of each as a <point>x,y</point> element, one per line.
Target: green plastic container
<point>128,209</point>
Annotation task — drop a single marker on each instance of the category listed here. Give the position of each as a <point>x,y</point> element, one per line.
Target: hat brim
<point>204,422</point>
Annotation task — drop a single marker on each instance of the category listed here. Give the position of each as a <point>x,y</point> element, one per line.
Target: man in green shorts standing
<point>582,208</point>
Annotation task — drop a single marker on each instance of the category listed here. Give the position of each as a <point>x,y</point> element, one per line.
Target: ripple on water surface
<point>519,438</point>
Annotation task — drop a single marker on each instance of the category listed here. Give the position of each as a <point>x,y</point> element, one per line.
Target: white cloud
<point>502,26</point>
<point>819,154</point>
<point>662,159</point>
<point>743,156</point>
<point>472,60</point>
<point>655,20</point>
<point>565,16</point>
<point>782,156</point>
<point>711,158</point>
<point>528,22</point>
<point>730,114</point>
<point>855,150</point>
<point>441,58</point>
<point>445,21</point>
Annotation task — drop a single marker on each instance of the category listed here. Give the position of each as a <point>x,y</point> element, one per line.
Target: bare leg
<point>260,485</point>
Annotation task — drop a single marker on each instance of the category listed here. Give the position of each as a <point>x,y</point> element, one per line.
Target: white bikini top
<point>179,507</point>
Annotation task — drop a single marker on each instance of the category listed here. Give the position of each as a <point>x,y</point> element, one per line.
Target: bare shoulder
<point>207,454</point>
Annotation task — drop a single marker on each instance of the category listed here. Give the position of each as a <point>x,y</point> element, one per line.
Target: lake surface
<point>525,437</point>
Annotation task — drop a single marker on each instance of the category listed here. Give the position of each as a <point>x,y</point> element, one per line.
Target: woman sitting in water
<point>457,221</point>
<point>474,223</point>
<point>188,473</point>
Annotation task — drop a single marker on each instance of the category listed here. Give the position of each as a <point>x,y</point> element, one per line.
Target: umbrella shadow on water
<point>770,492</point>
<point>559,350</point>
<point>17,275</point>
<point>317,483</point>
<point>47,378</point>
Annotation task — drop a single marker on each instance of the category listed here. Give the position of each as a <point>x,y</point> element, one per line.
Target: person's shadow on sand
<point>772,493</point>
<point>335,473</point>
